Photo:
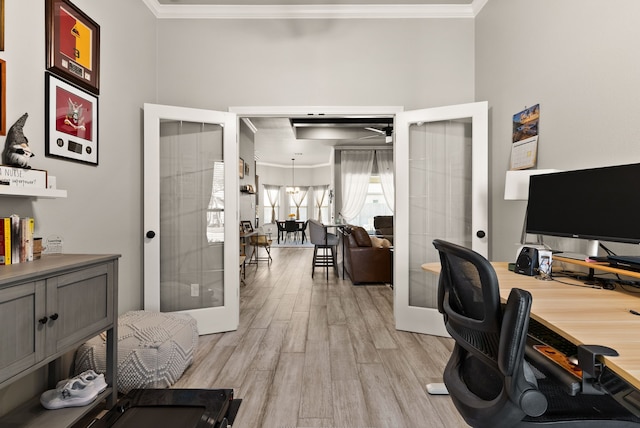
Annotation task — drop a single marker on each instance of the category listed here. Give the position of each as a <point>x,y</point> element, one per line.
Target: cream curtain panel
<point>298,198</point>
<point>356,171</point>
<point>273,194</point>
<point>320,192</point>
<point>384,160</point>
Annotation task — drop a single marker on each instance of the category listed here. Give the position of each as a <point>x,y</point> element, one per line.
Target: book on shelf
<point>5,241</point>
<point>16,239</point>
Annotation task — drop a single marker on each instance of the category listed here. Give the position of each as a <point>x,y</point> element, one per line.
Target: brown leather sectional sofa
<point>365,263</point>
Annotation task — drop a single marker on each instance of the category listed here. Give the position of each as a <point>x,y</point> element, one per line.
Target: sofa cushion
<point>380,242</point>
<point>361,236</point>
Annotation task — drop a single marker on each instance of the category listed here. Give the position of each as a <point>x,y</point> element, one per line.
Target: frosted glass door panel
<point>439,194</point>
<point>191,238</point>
<point>441,161</point>
<point>191,197</point>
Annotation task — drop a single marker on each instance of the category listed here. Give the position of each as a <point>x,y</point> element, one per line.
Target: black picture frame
<point>247,227</point>
<point>71,122</point>
<point>73,44</point>
<point>3,97</point>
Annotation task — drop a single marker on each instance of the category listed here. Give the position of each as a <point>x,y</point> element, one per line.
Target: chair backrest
<point>281,226</point>
<point>291,226</point>
<point>317,232</point>
<point>487,377</point>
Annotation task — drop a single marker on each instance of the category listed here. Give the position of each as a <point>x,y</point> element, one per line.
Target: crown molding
<point>316,11</point>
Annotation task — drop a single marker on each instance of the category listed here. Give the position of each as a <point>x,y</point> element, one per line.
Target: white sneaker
<point>88,377</point>
<point>74,393</point>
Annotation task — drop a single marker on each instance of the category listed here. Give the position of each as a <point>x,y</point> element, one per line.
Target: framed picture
<point>3,97</point>
<point>2,26</point>
<point>247,227</point>
<point>241,167</point>
<point>73,44</point>
<point>246,168</point>
<point>71,130</point>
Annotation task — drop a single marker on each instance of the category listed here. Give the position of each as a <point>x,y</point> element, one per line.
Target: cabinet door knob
<point>54,317</point>
<point>151,234</point>
<point>481,234</point>
<point>43,320</point>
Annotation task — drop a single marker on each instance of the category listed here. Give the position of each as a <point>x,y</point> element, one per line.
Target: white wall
<point>577,58</point>
<point>103,211</point>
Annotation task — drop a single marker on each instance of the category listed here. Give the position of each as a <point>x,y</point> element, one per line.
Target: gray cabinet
<point>49,307</point>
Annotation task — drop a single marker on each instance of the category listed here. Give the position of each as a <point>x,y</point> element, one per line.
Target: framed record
<point>73,44</point>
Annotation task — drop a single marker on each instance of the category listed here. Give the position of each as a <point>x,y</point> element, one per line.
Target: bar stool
<point>324,242</point>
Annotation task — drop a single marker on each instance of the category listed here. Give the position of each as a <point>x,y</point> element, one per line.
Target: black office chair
<point>489,381</point>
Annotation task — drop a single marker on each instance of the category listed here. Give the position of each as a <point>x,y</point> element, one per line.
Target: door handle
<point>481,234</point>
<point>151,234</point>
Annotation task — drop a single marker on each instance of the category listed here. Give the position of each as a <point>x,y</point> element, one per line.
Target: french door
<point>441,158</point>
<point>191,242</point>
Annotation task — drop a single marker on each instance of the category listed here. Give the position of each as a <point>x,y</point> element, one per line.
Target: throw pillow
<point>380,242</point>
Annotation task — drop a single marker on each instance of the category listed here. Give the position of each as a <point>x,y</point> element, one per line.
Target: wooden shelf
<point>33,414</point>
<point>602,266</point>
<point>32,192</point>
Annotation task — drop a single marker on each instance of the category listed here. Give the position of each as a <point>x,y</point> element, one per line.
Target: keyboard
<point>539,335</point>
<point>546,336</point>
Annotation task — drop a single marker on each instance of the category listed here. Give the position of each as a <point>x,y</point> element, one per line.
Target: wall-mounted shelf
<point>32,192</point>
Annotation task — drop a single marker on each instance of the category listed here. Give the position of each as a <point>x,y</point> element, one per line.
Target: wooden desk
<point>581,314</point>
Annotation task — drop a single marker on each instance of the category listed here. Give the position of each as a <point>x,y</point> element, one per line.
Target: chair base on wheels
<point>324,260</point>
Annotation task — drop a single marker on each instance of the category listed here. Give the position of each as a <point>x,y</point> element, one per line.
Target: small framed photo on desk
<point>246,226</point>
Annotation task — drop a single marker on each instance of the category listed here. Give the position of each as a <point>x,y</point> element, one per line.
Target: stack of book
<point>16,239</point>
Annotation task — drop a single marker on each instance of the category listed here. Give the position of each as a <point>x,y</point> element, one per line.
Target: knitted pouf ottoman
<point>154,349</point>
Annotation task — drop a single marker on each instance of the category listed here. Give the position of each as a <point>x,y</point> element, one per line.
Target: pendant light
<point>293,189</point>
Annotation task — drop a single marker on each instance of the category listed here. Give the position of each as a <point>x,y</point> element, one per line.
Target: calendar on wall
<point>524,148</point>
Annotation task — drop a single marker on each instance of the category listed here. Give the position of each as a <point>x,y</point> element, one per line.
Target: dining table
<point>290,226</point>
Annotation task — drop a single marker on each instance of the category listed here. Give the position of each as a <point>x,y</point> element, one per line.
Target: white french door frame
<point>214,319</point>
<point>420,319</point>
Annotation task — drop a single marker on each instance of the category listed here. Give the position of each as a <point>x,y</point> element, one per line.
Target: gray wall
<point>413,63</point>
<point>578,60</point>
<point>103,210</point>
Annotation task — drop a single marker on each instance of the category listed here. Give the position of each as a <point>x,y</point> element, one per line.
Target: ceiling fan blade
<point>379,131</point>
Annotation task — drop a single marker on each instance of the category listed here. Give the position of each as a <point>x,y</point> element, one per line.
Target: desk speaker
<point>527,262</point>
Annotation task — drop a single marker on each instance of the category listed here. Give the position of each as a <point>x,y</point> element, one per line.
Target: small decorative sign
<point>22,177</point>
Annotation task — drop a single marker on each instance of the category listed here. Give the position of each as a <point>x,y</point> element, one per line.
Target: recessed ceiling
<point>310,140</point>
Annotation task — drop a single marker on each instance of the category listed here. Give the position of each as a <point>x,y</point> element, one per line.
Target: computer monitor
<point>593,204</point>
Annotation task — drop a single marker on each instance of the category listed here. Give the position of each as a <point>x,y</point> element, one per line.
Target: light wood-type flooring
<point>317,353</point>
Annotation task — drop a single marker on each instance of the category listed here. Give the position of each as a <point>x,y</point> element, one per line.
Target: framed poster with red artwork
<point>73,44</point>
<point>71,130</point>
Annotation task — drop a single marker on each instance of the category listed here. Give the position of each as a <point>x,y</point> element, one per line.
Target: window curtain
<point>320,192</point>
<point>298,198</point>
<point>384,160</point>
<point>356,171</point>
<point>273,194</point>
